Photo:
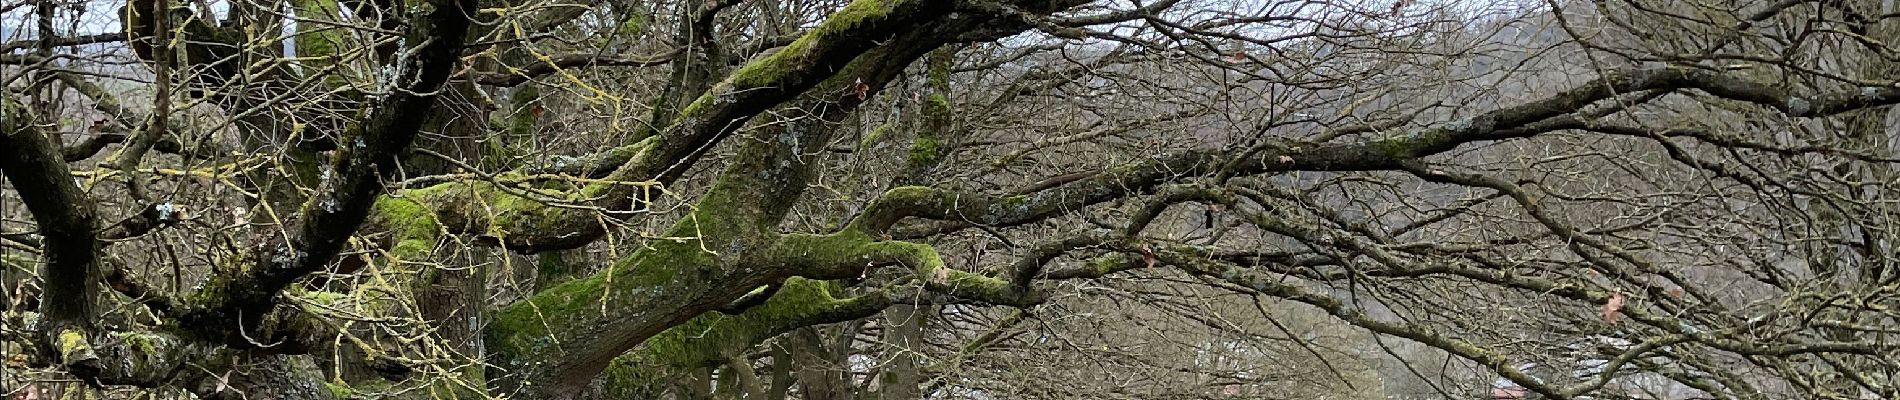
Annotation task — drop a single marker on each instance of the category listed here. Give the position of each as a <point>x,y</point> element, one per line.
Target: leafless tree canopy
<point>949,199</point>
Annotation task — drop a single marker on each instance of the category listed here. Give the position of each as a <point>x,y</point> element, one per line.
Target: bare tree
<point>823,199</point>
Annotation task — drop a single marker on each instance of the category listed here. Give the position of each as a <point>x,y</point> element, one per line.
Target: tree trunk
<point>904,337</point>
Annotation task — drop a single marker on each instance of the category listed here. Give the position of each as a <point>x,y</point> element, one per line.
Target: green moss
<point>972,286</point>
<point>71,341</point>
<point>143,343</point>
<point>925,151</point>
<point>1107,264</point>
<point>937,104</point>
<point>500,153</point>
<point>527,104</point>
<point>662,274</point>
<point>797,56</point>
<point>1397,147</point>
<point>413,227</point>
<point>509,212</point>
<point>876,135</point>
<point>766,72</point>
<point>522,329</point>
<point>369,389</point>
<point>477,205</point>
<point>929,149</point>
<point>1015,204</point>
<point>320,297</point>
<point>852,248</point>
<point>339,390</point>
<point>633,24</point>
<point>940,74</point>
<point>632,377</point>
<point>16,261</point>
<point>712,337</point>
<point>319,37</point>
<point>306,167</point>
<point>888,207</point>
<point>553,267</point>
<point>1419,142</point>
<point>623,154</point>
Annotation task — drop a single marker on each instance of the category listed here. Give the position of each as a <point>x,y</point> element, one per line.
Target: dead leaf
<point>1613,308</point>
<point>863,90</point>
<point>224,382</point>
<point>1675,292</point>
<point>1148,256</point>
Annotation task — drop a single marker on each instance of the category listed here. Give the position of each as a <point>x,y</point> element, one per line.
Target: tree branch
<point>1524,120</point>
<point>63,41</point>
<point>557,63</point>
<point>357,179</point>
<point>63,213</point>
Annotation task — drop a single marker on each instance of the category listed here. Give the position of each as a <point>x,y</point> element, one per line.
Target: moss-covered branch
<point>151,359</point>
<point>849,253</point>
<point>370,153</point>
<point>820,55</point>
<point>621,178</point>
<point>713,338</point>
<point>560,338</point>
<point>1528,119</point>
<point>815,57</point>
<point>906,27</point>
<point>931,147</point>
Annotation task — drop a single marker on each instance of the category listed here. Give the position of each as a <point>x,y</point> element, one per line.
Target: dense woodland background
<point>968,199</point>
